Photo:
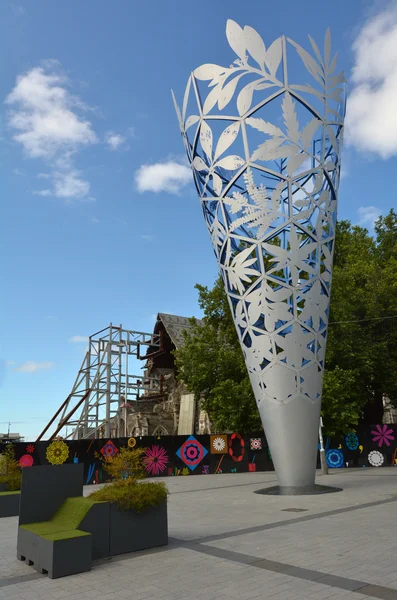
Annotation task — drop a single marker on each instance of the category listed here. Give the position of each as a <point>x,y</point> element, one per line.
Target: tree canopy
<point>361,359</point>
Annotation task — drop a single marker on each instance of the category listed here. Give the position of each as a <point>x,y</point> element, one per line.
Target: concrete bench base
<point>57,557</point>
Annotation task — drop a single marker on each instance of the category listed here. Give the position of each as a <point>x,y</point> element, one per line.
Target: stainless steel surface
<point>265,155</point>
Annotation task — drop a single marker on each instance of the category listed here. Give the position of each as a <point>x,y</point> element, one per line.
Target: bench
<point>61,546</point>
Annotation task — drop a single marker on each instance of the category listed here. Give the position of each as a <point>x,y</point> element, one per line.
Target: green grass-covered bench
<point>68,542</point>
<point>9,503</point>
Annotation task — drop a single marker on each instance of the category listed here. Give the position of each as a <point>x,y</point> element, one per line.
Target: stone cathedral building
<point>166,407</point>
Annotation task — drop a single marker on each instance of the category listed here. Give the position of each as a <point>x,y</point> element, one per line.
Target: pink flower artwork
<point>383,435</point>
<point>155,460</point>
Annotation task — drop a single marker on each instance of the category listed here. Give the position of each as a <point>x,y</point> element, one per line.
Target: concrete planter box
<point>97,523</point>
<point>131,531</point>
<point>9,504</point>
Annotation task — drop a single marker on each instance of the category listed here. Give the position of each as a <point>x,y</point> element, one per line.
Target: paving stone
<point>251,548</point>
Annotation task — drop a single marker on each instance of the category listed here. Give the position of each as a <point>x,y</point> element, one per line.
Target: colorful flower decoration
<point>206,470</point>
<point>375,458</point>
<point>237,457</point>
<point>218,444</point>
<point>30,448</point>
<point>57,452</point>
<point>109,449</point>
<point>192,452</point>
<point>26,461</point>
<point>256,444</point>
<point>334,459</point>
<point>352,441</point>
<point>132,442</point>
<point>383,435</point>
<point>155,460</point>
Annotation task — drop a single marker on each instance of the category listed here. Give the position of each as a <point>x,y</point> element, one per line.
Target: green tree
<point>212,365</point>
<point>361,360</point>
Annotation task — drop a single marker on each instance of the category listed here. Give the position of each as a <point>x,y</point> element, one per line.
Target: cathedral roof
<point>174,326</point>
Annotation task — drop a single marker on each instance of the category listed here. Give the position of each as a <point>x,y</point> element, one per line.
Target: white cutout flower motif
<point>218,444</point>
<point>271,303</point>
<point>261,350</point>
<point>316,305</point>
<point>296,257</point>
<point>296,345</point>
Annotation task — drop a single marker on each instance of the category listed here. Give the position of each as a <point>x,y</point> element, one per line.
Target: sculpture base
<point>306,490</point>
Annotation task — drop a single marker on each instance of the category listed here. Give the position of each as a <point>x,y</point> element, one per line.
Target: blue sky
<point>100,218</point>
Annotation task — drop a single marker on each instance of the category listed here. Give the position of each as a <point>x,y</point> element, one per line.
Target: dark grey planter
<point>57,558</point>
<point>131,531</point>
<point>97,523</point>
<point>9,504</point>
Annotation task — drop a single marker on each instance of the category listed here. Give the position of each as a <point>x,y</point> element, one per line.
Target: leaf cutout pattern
<point>293,145</point>
<point>255,46</point>
<point>274,56</point>
<point>268,186</point>
<point>258,209</point>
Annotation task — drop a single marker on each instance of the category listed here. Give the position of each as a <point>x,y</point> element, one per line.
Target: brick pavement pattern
<point>226,542</point>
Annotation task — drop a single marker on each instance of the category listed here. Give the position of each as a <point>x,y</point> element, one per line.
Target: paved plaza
<point>226,542</point>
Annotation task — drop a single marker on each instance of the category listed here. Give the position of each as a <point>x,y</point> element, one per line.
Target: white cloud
<point>371,119</point>
<point>31,367</point>
<point>367,215</point>
<point>147,237</point>
<point>78,339</point>
<point>168,177</point>
<point>45,120</point>
<point>67,185</point>
<point>43,115</point>
<point>114,140</point>
<point>95,220</point>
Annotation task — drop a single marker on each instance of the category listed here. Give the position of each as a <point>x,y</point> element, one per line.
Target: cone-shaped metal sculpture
<point>264,151</point>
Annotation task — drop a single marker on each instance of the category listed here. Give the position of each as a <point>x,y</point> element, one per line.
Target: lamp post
<point>265,155</point>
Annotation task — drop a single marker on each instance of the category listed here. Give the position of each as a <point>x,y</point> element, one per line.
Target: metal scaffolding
<point>104,387</point>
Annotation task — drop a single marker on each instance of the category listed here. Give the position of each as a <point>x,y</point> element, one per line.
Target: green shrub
<point>13,481</point>
<point>10,472</point>
<point>131,495</point>
<point>126,465</point>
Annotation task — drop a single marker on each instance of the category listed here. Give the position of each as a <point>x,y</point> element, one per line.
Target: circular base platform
<point>307,490</point>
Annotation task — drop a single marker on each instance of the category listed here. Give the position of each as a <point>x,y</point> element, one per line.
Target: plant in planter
<point>138,511</point>
<point>10,471</point>
<point>10,483</point>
